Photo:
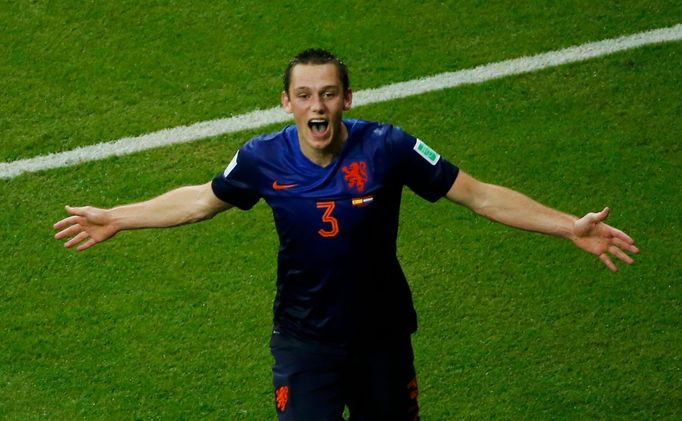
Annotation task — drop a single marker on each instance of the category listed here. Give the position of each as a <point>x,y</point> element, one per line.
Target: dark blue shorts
<point>375,380</point>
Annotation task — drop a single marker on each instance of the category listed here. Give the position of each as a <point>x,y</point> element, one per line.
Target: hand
<point>594,236</point>
<point>87,225</point>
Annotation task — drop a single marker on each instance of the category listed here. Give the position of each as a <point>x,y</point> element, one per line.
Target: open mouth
<point>318,125</point>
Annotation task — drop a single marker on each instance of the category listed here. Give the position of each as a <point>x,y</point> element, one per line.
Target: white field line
<point>260,118</point>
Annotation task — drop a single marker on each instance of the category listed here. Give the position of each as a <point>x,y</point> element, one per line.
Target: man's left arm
<point>514,209</point>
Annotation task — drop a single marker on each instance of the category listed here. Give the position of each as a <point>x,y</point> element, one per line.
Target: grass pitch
<point>174,324</point>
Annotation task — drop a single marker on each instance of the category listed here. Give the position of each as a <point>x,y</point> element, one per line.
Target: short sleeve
<point>419,167</point>
<point>236,185</point>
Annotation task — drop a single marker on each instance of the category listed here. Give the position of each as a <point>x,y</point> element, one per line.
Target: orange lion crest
<point>282,397</point>
<point>356,175</point>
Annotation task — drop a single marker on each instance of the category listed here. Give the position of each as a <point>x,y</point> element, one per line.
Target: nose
<point>317,105</point>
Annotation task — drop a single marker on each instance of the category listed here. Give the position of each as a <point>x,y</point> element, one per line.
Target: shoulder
<point>258,151</point>
<point>383,135</point>
<point>266,141</point>
<point>265,146</point>
<point>373,128</point>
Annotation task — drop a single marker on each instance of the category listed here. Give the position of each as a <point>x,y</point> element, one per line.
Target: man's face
<point>317,100</point>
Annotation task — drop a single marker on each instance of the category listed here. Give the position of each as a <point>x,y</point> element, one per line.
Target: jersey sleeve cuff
<point>242,199</point>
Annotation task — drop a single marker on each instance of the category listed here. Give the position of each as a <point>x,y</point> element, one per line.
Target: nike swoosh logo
<point>277,186</point>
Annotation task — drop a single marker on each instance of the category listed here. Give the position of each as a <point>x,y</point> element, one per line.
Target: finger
<point>615,232</point>
<point>71,220</point>
<point>621,255</point>
<point>86,245</point>
<point>625,245</point>
<point>607,261</point>
<point>69,232</point>
<point>74,210</point>
<point>77,239</point>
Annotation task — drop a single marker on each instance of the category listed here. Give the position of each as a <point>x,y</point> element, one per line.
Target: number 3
<point>328,218</point>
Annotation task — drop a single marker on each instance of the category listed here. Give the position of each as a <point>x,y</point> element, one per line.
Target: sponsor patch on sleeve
<point>426,152</point>
<point>230,167</point>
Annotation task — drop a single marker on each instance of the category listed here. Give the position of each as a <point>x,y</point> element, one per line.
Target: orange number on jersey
<point>328,218</point>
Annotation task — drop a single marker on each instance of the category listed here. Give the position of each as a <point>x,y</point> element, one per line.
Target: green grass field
<point>174,324</point>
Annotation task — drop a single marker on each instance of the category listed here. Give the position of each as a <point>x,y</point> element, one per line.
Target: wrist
<point>566,228</point>
<point>115,219</point>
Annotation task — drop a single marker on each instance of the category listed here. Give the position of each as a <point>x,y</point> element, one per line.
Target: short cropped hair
<point>317,56</point>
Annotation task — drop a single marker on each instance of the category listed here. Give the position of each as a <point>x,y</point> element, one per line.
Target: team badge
<point>356,175</point>
<point>413,390</point>
<point>282,398</point>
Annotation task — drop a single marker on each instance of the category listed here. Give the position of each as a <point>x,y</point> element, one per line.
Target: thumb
<point>599,216</point>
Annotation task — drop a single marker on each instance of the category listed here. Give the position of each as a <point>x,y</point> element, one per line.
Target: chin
<point>320,144</point>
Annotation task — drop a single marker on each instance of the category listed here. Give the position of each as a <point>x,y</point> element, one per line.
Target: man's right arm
<point>88,225</point>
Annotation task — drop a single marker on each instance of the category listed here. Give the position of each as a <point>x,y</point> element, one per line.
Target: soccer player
<point>343,312</point>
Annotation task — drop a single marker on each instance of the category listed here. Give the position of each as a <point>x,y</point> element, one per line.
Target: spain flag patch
<point>363,201</point>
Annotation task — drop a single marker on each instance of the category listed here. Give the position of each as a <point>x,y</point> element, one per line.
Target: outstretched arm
<point>512,208</point>
<point>88,225</point>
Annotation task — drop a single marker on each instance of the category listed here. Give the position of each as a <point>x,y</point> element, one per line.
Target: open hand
<point>87,226</point>
<point>594,236</point>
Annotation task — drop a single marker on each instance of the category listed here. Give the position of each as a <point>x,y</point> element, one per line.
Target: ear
<point>286,103</point>
<point>348,100</point>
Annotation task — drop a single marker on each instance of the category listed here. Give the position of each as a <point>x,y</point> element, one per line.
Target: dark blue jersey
<point>338,277</point>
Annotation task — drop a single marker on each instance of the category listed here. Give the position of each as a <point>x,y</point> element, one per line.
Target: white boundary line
<point>260,118</point>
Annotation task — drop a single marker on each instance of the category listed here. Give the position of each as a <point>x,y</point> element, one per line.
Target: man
<point>343,312</point>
